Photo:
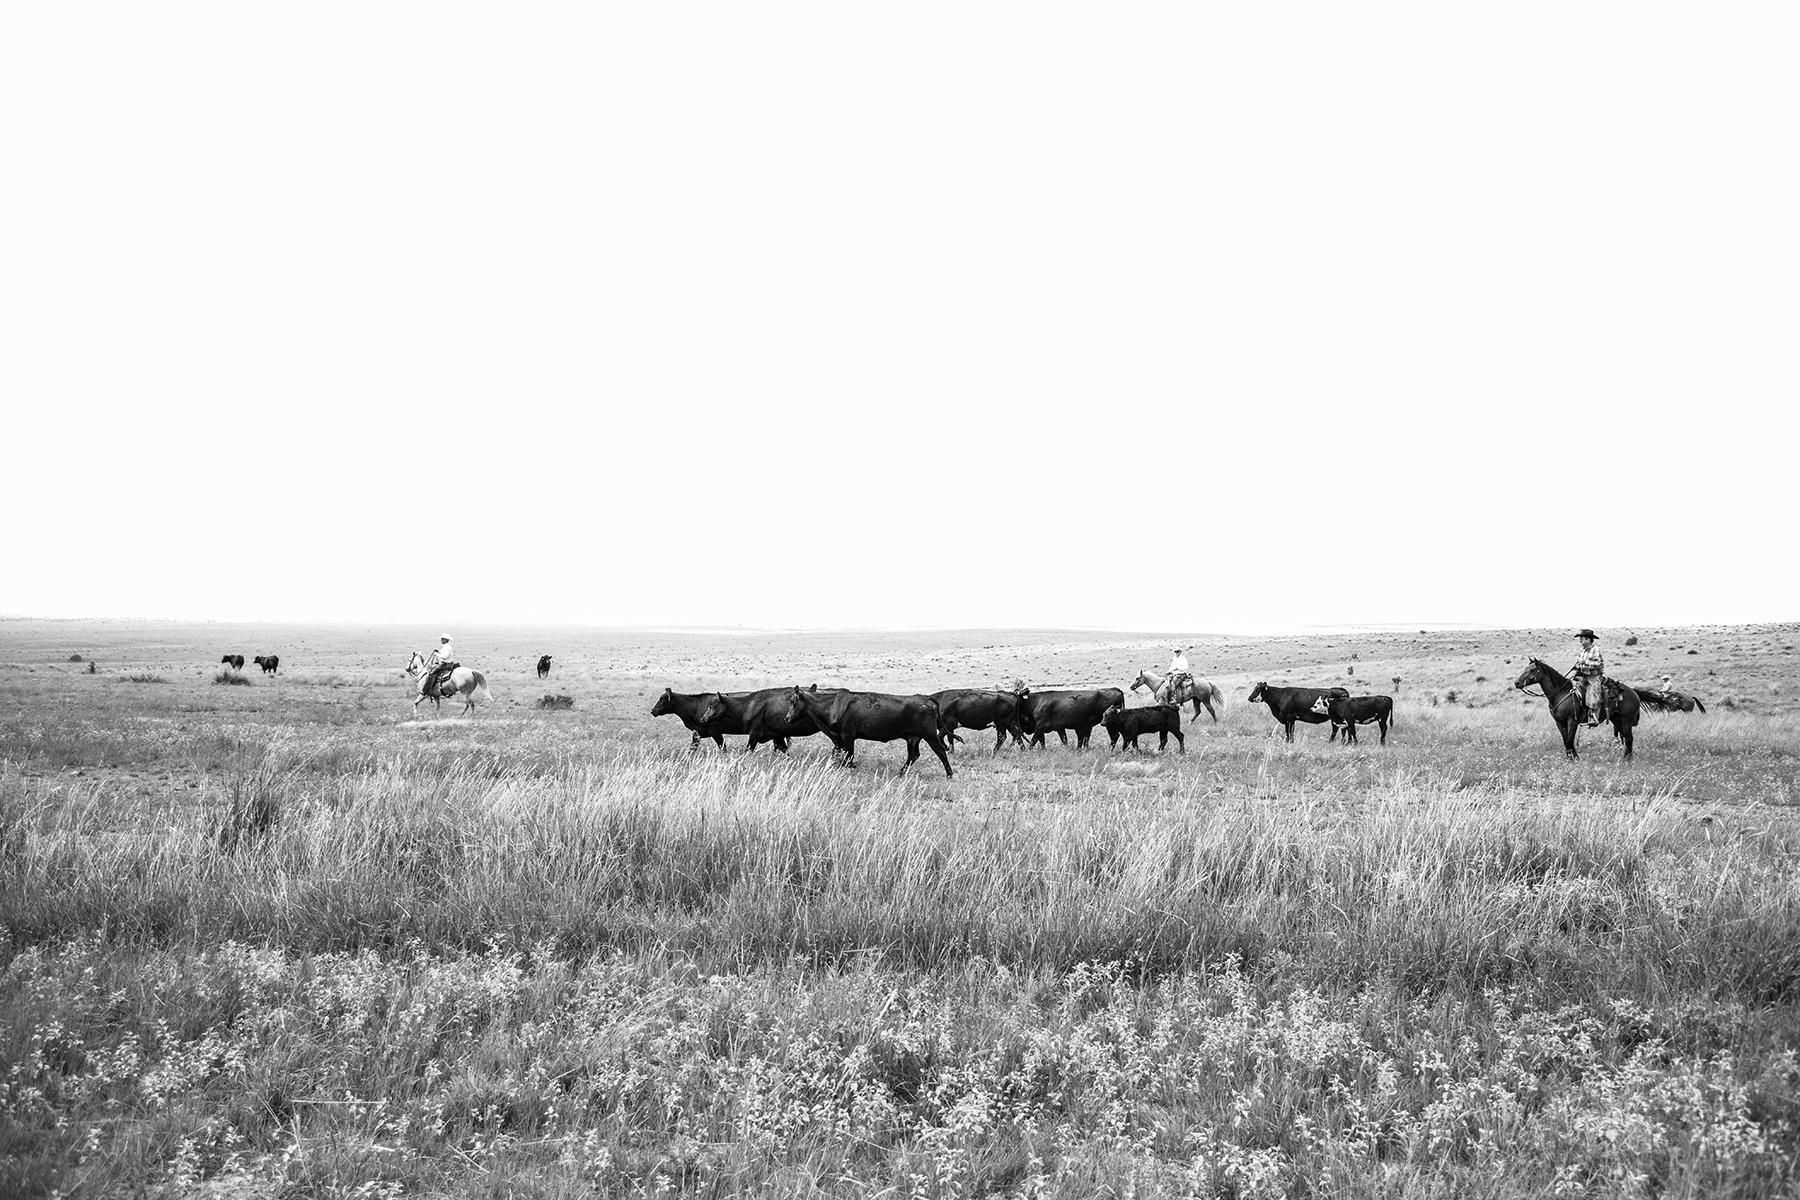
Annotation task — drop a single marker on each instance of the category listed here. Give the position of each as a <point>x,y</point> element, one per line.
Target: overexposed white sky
<point>1164,316</point>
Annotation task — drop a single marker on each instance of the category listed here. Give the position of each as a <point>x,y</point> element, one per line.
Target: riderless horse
<point>463,683</point>
<point>1565,704</point>
<point>1200,691</point>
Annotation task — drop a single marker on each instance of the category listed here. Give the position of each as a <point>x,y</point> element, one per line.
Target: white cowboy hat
<point>445,638</point>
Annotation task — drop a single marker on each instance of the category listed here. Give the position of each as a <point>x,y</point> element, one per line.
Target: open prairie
<point>270,935</point>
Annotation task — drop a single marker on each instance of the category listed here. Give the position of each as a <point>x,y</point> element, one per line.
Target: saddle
<point>438,682</point>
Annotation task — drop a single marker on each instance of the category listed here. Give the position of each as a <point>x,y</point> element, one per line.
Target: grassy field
<point>291,937</point>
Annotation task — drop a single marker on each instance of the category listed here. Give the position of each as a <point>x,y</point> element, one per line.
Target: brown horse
<point>1566,707</point>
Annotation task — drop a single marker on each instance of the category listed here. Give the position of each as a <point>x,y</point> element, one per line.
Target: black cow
<point>1129,723</point>
<point>234,661</point>
<point>700,714</point>
<point>1059,712</point>
<point>1290,704</point>
<point>269,663</point>
<point>770,715</point>
<point>877,717</point>
<point>544,667</point>
<point>1349,712</point>
<point>972,708</point>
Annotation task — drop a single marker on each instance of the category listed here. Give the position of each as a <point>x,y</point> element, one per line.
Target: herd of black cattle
<point>778,715</point>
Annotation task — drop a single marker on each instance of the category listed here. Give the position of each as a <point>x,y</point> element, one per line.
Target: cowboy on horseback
<point>1181,679</point>
<point>441,663</point>
<point>1588,677</point>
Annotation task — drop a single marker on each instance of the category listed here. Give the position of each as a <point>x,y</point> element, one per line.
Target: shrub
<point>144,677</point>
<point>556,702</point>
<point>75,658</point>
<point>227,675</point>
<point>1632,640</point>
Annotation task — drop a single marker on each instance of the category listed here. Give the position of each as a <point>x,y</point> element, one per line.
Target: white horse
<point>1200,691</point>
<point>464,682</point>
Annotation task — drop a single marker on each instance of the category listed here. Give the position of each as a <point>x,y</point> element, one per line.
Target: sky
<point>1218,318</point>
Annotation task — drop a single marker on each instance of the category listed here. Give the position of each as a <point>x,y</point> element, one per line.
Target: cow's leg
<point>1180,741</point>
<point>912,754</point>
<point>718,740</point>
<point>1082,736</point>
<point>999,737</point>
<point>1288,727</point>
<point>849,749</point>
<point>1384,725</point>
<point>1064,735</point>
<point>1162,745</point>
<point>937,747</point>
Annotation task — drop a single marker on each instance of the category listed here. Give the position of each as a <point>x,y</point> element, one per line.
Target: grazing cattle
<point>699,712</point>
<point>877,717</point>
<point>1349,712</point>
<point>769,715</point>
<point>1129,723</point>
<point>972,708</point>
<point>544,667</point>
<point>234,661</point>
<point>268,662</point>
<point>1290,704</point>
<point>1058,712</point>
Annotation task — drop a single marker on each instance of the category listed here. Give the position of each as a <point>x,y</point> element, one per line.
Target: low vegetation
<point>299,947</point>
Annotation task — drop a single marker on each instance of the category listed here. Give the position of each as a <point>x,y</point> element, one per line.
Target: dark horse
<point>1565,704</point>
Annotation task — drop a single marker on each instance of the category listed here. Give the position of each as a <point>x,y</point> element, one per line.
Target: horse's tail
<point>1697,703</point>
<point>481,685</point>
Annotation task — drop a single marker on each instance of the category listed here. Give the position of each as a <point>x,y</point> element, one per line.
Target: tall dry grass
<point>281,950</point>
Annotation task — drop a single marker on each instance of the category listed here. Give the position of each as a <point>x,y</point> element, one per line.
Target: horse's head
<point>1141,681</point>
<point>1530,675</point>
<point>414,663</point>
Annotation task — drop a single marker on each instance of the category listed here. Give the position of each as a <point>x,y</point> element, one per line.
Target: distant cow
<point>544,667</point>
<point>1347,713</point>
<point>877,717</point>
<point>700,714</point>
<point>972,708</point>
<point>269,663</point>
<point>1058,712</point>
<point>234,661</point>
<point>1290,704</point>
<point>1129,723</point>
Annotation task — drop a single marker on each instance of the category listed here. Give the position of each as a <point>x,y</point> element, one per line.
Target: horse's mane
<point>1551,671</point>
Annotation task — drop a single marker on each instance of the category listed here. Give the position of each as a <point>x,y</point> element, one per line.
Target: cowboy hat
<point>445,638</point>
<point>1588,633</point>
